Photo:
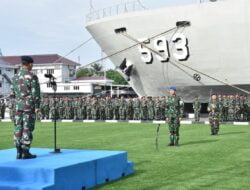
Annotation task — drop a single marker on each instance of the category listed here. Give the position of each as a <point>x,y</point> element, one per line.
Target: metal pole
<point>56,150</point>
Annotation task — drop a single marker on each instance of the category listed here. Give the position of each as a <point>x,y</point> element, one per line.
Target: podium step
<point>71,169</point>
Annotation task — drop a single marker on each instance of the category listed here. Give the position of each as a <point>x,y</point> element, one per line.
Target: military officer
<point>197,109</point>
<point>26,92</point>
<point>174,113</point>
<point>214,115</point>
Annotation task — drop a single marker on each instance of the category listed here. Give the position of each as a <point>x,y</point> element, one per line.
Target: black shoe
<point>171,144</point>
<point>19,152</point>
<point>27,155</point>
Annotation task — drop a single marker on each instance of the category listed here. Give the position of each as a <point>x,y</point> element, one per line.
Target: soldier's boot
<point>212,130</point>
<point>171,140</point>
<point>217,130</point>
<point>177,141</point>
<point>27,155</point>
<point>19,152</point>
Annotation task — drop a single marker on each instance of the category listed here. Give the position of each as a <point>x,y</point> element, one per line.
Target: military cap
<point>173,88</point>
<point>27,59</point>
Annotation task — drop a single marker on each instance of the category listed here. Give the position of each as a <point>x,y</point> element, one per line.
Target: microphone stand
<point>54,87</point>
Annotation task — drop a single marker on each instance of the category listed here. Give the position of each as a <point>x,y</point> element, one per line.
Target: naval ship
<point>201,48</point>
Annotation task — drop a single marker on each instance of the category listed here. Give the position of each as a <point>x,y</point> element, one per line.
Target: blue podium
<point>69,170</point>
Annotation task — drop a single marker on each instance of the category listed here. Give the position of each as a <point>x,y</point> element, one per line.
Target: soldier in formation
<point>197,109</point>
<point>231,108</point>
<point>103,108</point>
<point>214,115</point>
<point>234,107</point>
<point>2,109</point>
<point>174,113</point>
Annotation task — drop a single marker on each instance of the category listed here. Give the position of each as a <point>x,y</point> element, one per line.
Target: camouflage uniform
<point>68,109</point>
<point>157,108</point>
<point>41,109</point>
<point>102,105</point>
<point>46,108</point>
<point>144,109</point>
<point>136,108</point>
<point>88,108</point>
<point>26,91</point>
<point>75,107</point>
<point>122,108</point>
<point>108,108</point>
<point>84,108</point>
<point>39,115</point>
<point>220,104</point>
<point>197,109</point>
<point>60,109</point>
<point>163,108</point>
<point>94,108</point>
<point>115,107</point>
<point>52,108</point>
<point>174,106</point>
<point>224,115</point>
<point>150,106</point>
<point>2,109</point>
<point>79,109</point>
<point>12,109</point>
<point>237,108</point>
<point>130,111</point>
<point>248,106</point>
<point>245,109</point>
<point>231,109</point>
<point>214,116</point>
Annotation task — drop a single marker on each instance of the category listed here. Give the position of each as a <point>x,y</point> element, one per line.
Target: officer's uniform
<point>26,92</point>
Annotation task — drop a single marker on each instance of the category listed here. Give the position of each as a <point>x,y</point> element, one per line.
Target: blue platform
<point>70,170</point>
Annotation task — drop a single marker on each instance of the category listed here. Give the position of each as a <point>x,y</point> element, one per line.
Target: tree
<point>116,77</point>
<point>97,69</point>
<point>84,72</point>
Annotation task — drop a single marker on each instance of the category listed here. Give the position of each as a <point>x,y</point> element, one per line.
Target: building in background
<point>64,70</point>
<point>61,68</point>
<point>7,71</point>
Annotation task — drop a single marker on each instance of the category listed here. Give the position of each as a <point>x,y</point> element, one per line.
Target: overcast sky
<point>54,26</point>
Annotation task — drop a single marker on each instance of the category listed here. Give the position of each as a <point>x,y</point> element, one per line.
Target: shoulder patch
<point>27,76</point>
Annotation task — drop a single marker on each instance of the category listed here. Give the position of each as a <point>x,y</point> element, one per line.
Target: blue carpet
<point>70,170</point>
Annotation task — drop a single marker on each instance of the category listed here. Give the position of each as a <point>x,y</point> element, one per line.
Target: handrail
<point>114,10</point>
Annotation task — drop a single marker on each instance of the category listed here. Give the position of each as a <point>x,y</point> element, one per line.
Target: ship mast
<point>91,6</point>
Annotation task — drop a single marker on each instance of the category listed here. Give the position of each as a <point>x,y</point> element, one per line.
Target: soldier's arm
<point>209,108</point>
<point>12,90</point>
<point>181,107</point>
<point>35,90</point>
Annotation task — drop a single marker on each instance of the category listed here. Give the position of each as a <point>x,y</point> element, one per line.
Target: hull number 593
<point>179,49</point>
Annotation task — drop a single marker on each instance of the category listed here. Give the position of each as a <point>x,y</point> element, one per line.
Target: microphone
<point>49,76</point>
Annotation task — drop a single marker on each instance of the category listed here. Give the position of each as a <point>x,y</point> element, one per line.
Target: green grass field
<point>200,162</point>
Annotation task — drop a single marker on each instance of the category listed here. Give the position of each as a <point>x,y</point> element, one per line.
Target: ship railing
<point>114,10</point>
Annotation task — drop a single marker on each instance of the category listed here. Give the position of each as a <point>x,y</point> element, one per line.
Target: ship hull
<point>218,46</point>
